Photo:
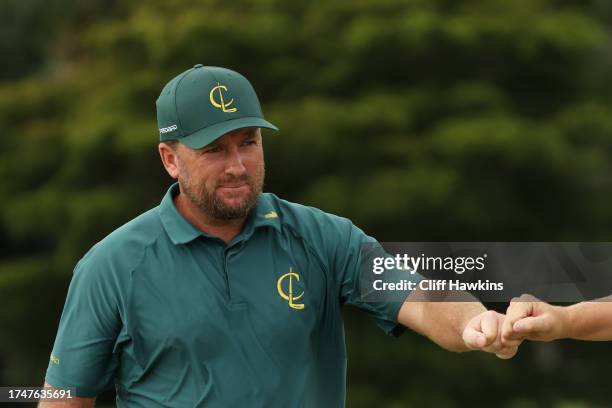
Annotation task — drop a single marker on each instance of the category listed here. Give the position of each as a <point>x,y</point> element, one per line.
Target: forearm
<point>442,322</point>
<point>76,402</point>
<point>589,320</point>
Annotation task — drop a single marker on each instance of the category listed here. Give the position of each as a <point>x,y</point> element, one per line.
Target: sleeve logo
<point>54,359</point>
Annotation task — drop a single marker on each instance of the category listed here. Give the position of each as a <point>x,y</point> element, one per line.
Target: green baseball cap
<point>204,103</point>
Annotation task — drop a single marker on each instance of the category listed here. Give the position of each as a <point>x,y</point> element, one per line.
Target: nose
<point>235,163</point>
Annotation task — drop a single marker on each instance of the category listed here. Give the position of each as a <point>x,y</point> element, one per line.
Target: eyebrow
<point>251,133</point>
<point>210,146</point>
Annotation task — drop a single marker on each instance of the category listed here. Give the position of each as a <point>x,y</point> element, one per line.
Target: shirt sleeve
<point>354,252</point>
<point>83,355</point>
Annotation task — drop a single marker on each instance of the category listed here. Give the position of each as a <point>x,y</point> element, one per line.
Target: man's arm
<point>456,326</point>
<point>76,402</point>
<point>531,318</point>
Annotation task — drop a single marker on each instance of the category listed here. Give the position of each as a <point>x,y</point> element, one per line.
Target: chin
<point>233,201</point>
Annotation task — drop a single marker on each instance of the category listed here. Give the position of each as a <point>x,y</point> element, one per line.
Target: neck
<point>225,230</point>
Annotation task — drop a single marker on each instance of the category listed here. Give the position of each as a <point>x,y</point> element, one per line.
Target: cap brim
<point>206,136</point>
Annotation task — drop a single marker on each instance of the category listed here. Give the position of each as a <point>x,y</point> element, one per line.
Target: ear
<point>169,159</point>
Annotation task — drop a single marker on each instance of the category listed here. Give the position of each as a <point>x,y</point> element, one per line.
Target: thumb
<point>529,325</point>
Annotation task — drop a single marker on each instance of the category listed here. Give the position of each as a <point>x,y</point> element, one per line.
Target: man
<point>222,295</point>
<point>529,318</point>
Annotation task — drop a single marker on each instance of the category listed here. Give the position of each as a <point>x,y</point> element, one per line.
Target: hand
<point>483,332</point>
<point>529,318</point>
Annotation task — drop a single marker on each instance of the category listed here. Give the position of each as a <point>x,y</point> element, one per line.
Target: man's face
<point>223,179</point>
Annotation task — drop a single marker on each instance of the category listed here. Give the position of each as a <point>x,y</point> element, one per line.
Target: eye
<point>250,142</point>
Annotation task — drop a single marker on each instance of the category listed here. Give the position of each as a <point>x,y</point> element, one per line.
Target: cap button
<point>198,66</point>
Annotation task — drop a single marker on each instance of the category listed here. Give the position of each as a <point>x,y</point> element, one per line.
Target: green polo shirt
<point>173,317</point>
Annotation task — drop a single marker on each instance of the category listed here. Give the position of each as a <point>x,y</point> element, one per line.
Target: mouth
<point>233,187</point>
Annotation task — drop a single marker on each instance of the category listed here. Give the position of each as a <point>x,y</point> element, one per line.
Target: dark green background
<point>421,120</point>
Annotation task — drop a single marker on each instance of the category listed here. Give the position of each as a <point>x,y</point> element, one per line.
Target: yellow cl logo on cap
<point>224,106</point>
<point>290,297</point>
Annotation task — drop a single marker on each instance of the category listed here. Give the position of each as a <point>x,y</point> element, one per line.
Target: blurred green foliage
<point>418,119</point>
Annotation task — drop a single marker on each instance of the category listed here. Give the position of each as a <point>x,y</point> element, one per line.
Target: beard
<point>207,200</point>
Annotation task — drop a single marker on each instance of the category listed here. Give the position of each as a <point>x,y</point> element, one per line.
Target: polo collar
<point>182,231</point>
<point>177,227</point>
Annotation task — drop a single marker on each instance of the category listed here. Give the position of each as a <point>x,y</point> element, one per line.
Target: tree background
<point>440,120</point>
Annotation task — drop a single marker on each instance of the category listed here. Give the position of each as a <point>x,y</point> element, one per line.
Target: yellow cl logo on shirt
<point>221,104</point>
<point>290,297</point>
